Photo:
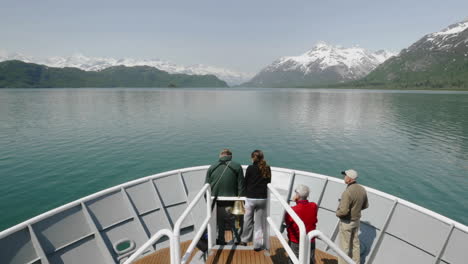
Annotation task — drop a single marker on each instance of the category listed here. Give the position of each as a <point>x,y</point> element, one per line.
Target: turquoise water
<point>57,145</point>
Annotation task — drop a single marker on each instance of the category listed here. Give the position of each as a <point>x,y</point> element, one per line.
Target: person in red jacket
<point>307,212</point>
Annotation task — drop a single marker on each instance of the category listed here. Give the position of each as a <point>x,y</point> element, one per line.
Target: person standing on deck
<point>353,200</point>
<point>226,178</point>
<point>257,177</point>
<point>307,212</point>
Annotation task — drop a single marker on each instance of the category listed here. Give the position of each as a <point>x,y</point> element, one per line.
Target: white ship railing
<point>207,191</point>
<point>205,167</point>
<point>175,235</point>
<point>449,246</point>
<point>151,241</point>
<point>304,239</point>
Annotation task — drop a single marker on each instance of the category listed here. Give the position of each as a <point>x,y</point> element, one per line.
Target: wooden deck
<point>162,256</point>
<point>276,255</point>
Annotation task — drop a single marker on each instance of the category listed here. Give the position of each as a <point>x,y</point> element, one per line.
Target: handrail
<point>231,198</point>
<point>321,236</point>
<point>151,241</point>
<point>304,245</point>
<point>177,259</point>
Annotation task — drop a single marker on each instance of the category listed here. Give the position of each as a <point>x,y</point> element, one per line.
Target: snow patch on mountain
<point>99,63</point>
<point>357,60</point>
<point>442,40</point>
<point>453,29</point>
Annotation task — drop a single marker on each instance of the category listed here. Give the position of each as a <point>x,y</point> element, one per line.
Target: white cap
<point>350,173</point>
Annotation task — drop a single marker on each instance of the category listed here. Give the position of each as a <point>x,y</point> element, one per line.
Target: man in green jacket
<point>353,200</point>
<point>226,178</point>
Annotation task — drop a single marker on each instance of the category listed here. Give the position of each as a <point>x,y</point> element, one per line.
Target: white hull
<point>87,230</point>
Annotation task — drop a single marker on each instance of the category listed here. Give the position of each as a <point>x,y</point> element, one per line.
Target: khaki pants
<point>349,240</point>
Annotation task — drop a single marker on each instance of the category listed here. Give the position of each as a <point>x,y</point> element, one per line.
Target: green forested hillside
<point>18,74</point>
<point>439,71</point>
<point>436,61</point>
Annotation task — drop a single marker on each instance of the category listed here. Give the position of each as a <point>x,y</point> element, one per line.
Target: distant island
<point>19,74</point>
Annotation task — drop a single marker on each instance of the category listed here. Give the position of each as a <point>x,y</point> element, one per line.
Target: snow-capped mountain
<point>4,56</point>
<point>438,60</point>
<point>449,38</point>
<point>324,64</point>
<point>99,63</point>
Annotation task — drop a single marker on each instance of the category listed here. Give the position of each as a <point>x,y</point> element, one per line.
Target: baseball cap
<point>350,173</point>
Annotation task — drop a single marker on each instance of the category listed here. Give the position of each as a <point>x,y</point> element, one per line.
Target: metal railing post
<point>208,212</point>
<point>266,236</point>
<point>177,226</point>
<point>304,246</point>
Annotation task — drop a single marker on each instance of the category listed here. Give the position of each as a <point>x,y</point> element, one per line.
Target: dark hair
<point>257,156</point>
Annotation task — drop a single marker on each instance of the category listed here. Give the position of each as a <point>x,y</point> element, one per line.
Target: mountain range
<point>437,61</point>
<point>19,74</point>
<point>324,64</point>
<point>86,63</point>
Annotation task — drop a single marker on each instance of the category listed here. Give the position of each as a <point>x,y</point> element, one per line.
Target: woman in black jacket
<point>257,176</point>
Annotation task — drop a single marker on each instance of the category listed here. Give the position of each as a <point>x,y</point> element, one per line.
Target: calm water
<point>57,145</point>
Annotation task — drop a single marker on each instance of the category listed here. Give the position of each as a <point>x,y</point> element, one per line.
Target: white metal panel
<point>155,221</point>
<point>418,228</point>
<point>175,211</point>
<point>194,181</point>
<point>61,229</point>
<point>315,185</point>
<point>143,197</point>
<point>276,212</point>
<point>379,208</point>
<point>84,251</point>
<point>332,194</point>
<point>456,251</point>
<point>280,180</point>
<point>17,248</point>
<point>327,221</point>
<point>199,211</point>
<point>170,189</point>
<point>109,209</point>
<point>393,250</point>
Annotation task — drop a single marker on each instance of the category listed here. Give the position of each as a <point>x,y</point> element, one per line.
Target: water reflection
<point>58,145</point>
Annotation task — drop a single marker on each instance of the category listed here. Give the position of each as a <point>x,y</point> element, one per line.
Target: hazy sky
<point>237,34</point>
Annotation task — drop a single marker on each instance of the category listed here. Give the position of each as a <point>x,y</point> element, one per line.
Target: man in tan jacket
<point>353,200</point>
